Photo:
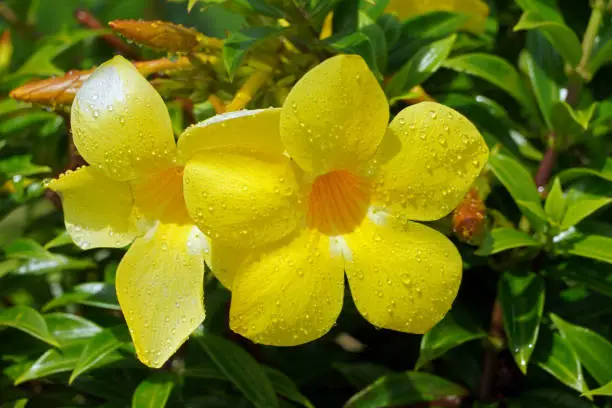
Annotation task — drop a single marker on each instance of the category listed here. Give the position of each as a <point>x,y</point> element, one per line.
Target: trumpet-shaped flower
<point>323,187</point>
<point>476,10</point>
<point>133,191</point>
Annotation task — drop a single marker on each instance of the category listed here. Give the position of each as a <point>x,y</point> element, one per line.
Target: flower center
<point>160,196</point>
<point>338,202</point>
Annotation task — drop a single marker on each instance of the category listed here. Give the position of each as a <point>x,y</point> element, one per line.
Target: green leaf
<point>522,301</point>
<point>345,17</point>
<point>357,43</point>
<point>555,203</point>
<point>68,328</point>
<point>58,361</point>
<point>602,57</point>
<point>242,369</point>
<point>100,346</point>
<point>590,246</point>
<point>360,375</point>
<point>495,70</point>
<point>563,38</point>
<point>565,121</point>
<point>605,390</point>
<point>521,187</point>
<point>603,171</point>
<point>544,398</point>
<point>546,8</point>
<point>593,350</point>
<point>27,320</point>
<point>154,391</point>
<point>96,294</point>
<point>583,199</point>
<point>502,239</point>
<point>284,386</point>
<point>418,31</point>
<point>592,274</point>
<point>421,66</point>
<point>25,248</point>
<point>449,333</point>
<point>240,42</point>
<point>555,356</point>
<point>403,389</point>
<point>21,166</point>
<point>545,69</point>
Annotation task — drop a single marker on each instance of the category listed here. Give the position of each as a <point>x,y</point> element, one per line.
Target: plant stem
<point>546,165</point>
<point>588,41</point>
<point>489,370</point>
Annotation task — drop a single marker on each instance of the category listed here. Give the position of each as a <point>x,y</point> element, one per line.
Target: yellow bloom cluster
<point>281,203</point>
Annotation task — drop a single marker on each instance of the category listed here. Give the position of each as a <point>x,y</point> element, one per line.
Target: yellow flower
<point>324,186</point>
<point>477,10</point>
<point>133,191</point>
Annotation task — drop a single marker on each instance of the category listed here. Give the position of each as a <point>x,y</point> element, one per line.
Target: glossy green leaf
<point>602,57</point>
<point>27,320</point>
<point>502,239</point>
<point>242,369</point>
<point>100,346</point>
<point>545,69</point>
<point>154,391</point>
<point>554,355</point>
<point>522,301</point>
<point>21,166</point>
<point>590,246</point>
<point>594,275</point>
<point>584,198</point>
<point>357,43</point>
<point>403,389</point>
<point>421,66</point>
<point>605,390</point>
<point>604,171</point>
<point>521,187</point>
<point>25,248</point>
<point>495,70</point>
<point>345,17</point>
<point>565,121</point>
<point>452,331</point>
<point>240,42</point>
<point>544,398</point>
<point>59,361</point>
<point>67,328</point>
<point>418,31</point>
<point>96,294</point>
<point>546,8</point>
<point>562,37</point>
<point>555,203</point>
<point>593,350</point>
<point>285,387</point>
<point>360,375</point>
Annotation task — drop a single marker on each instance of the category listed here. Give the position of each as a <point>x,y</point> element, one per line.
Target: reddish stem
<point>86,19</point>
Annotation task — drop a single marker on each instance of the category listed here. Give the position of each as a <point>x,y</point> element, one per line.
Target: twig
<point>8,15</point>
<point>546,164</point>
<point>489,370</point>
<point>86,19</point>
<point>590,34</point>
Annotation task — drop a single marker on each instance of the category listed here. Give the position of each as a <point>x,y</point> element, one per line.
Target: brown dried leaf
<point>162,35</point>
<point>62,90</point>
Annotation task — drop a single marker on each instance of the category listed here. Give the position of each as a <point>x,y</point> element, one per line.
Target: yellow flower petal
<point>335,116</point>
<point>242,201</point>
<point>160,289</point>
<point>224,261</point>
<point>290,294</point>
<point>96,208</point>
<point>251,131</point>
<point>428,160</point>
<point>402,276</point>
<point>120,124</point>
<point>476,9</point>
